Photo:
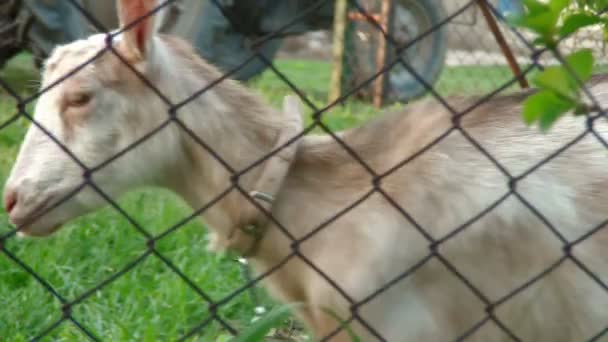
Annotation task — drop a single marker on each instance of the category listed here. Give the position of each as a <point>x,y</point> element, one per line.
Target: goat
<point>105,107</point>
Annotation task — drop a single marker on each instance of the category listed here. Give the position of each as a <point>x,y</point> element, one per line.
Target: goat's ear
<point>292,106</point>
<point>137,39</point>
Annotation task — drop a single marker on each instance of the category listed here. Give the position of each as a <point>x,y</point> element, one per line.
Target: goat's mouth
<point>33,222</point>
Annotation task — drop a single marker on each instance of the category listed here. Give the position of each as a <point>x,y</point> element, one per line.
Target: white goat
<point>105,107</point>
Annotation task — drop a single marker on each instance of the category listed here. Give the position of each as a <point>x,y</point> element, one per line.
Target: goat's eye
<point>79,99</point>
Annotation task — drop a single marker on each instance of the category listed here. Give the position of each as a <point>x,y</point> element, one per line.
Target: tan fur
<point>374,243</point>
<point>443,188</point>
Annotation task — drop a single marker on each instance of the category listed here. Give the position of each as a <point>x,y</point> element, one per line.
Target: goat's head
<point>93,114</point>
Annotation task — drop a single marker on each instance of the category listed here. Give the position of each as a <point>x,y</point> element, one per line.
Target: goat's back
<point>505,209</point>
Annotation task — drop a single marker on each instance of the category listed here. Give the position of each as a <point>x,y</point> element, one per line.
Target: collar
<point>254,222</point>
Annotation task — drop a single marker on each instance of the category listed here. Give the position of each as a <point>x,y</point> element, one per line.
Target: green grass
<point>149,302</point>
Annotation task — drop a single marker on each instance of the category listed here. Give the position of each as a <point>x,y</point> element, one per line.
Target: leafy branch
<point>560,87</point>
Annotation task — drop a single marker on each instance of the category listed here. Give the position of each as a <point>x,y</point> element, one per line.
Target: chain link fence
<point>530,57</point>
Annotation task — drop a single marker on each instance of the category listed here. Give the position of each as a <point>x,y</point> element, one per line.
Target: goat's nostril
<point>10,201</point>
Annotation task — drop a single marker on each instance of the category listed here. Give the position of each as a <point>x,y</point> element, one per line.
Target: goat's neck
<point>237,127</point>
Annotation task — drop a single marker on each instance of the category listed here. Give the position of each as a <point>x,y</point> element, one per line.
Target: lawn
<point>149,302</point>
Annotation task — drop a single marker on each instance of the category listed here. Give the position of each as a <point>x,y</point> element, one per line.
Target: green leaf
<point>557,80</point>
<point>538,41</point>
<point>560,80</point>
<point>533,106</point>
<point>558,5</point>
<point>582,63</point>
<point>542,23</point>
<point>600,5</point>
<point>260,328</point>
<point>534,7</point>
<point>541,18</point>
<point>545,107</point>
<point>223,338</point>
<point>549,117</point>
<point>576,21</point>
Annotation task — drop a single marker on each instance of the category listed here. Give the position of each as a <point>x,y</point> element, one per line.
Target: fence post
<point>385,11</point>
<point>335,83</point>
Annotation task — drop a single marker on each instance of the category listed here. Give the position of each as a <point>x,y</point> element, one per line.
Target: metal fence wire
<point>215,304</point>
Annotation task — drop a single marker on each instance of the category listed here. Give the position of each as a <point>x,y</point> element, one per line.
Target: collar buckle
<point>254,221</point>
